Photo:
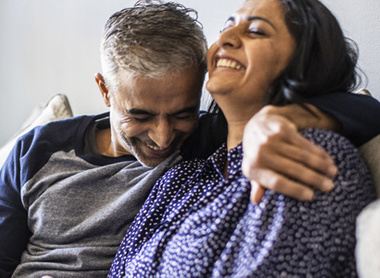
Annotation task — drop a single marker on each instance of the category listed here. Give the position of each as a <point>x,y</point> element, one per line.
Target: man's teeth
<point>156,148</point>
<point>228,64</point>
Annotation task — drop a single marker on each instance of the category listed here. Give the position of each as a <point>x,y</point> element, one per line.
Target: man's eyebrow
<point>190,109</point>
<point>251,18</point>
<point>137,111</point>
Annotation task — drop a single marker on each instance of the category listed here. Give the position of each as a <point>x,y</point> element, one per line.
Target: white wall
<point>49,47</point>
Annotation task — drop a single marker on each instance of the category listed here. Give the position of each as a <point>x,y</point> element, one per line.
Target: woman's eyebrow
<point>253,17</point>
<point>231,18</point>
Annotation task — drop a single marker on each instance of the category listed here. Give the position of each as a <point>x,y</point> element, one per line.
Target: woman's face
<point>253,49</point>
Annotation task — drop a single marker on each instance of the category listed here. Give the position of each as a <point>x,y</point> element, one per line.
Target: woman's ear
<point>103,89</point>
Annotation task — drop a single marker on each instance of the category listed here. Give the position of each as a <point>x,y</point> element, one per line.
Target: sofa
<point>368,226</point>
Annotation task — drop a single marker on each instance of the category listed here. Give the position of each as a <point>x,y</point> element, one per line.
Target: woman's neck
<point>237,118</point>
<point>234,138</point>
<point>235,133</point>
<point>237,113</point>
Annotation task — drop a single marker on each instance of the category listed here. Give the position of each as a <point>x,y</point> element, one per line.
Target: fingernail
<point>327,185</point>
<point>309,195</point>
<point>332,171</point>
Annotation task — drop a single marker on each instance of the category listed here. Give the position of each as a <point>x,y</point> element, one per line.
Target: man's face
<point>150,118</point>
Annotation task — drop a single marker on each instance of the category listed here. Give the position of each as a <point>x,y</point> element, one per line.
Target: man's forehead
<point>187,84</point>
<point>152,96</point>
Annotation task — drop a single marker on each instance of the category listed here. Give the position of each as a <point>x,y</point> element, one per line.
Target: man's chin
<point>151,158</point>
<point>150,162</point>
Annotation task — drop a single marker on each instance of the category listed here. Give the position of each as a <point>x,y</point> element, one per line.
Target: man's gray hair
<point>152,39</point>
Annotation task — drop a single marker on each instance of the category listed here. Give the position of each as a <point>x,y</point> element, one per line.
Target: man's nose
<point>162,133</point>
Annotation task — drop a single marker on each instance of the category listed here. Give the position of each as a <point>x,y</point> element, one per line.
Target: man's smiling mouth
<point>156,148</point>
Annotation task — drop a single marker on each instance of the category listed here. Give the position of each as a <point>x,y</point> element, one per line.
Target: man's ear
<point>103,89</point>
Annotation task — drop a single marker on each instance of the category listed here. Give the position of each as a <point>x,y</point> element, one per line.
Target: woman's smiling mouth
<point>228,63</point>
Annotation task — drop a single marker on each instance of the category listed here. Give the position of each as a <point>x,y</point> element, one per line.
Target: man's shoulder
<point>73,122</point>
<point>61,135</point>
<point>209,135</point>
<point>62,128</point>
<point>34,149</point>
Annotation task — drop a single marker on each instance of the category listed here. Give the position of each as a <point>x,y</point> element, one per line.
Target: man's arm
<point>276,157</point>
<point>14,232</point>
<point>358,114</point>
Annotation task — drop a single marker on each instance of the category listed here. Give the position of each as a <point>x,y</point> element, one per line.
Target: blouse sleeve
<point>284,237</point>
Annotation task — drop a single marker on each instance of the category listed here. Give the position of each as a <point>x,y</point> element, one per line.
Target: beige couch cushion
<point>371,154</point>
<point>56,108</point>
<point>368,222</point>
<point>368,241</point>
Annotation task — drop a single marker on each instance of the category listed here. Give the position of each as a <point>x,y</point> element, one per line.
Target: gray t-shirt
<point>78,211</point>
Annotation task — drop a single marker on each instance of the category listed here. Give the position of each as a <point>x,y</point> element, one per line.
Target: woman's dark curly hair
<point>324,61</point>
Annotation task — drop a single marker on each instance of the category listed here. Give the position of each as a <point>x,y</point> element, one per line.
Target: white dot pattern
<point>195,223</point>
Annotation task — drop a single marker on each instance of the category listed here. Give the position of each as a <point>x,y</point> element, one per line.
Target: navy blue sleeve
<point>208,136</point>
<point>358,114</point>
<point>14,232</point>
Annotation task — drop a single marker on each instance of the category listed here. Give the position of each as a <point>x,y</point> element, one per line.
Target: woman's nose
<point>229,38</point>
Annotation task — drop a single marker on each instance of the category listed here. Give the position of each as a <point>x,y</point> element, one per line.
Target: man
<point>70,189</point>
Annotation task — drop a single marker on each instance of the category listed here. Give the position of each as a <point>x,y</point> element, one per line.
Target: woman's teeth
<point>227,63</point>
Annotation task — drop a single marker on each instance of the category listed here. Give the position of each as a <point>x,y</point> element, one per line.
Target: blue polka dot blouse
<point>196,223</point>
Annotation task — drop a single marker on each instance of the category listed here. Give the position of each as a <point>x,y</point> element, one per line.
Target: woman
<point>198,220</point>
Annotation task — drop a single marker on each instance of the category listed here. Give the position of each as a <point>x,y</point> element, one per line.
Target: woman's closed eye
<point>256,32</point>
